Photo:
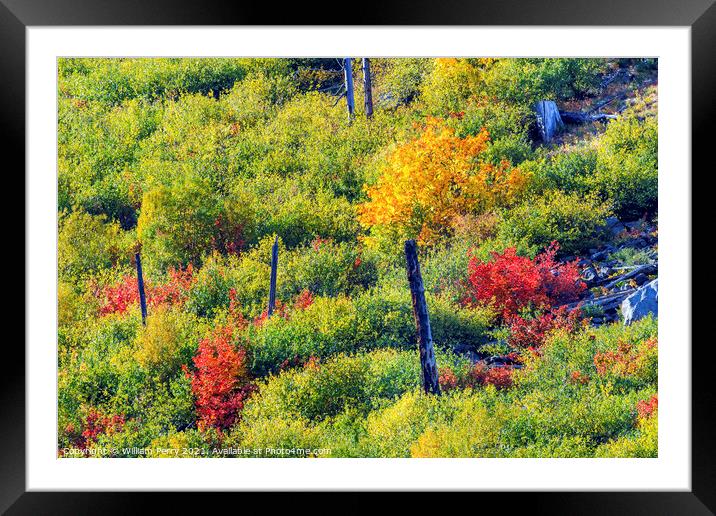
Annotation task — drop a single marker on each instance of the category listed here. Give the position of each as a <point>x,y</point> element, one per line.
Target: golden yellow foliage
<point>432,179</point>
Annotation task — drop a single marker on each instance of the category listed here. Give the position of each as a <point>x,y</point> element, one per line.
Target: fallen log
<point>576,117</point>
<point>643,269</point>
<point>604,301</point>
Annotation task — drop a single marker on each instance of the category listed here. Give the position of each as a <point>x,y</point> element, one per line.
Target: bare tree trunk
<point>422,320</point>
<point>367,88</point>
<point>140,286</point>
<point>548,120</point>
<point>272,287</point>
<point>348,68</point>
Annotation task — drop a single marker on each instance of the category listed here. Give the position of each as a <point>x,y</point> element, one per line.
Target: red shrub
<point>447,379</point>
<point>119,297</point>
<point>532,332</point>
<point>625,361</point>
<point>174,291</point>
<point>646,408</point>
<point>94,424</point>
<point>303,300</point>
<point>500,377</point>
<point>219,383</point>
<point>578,377</point>
<point>510,282</point>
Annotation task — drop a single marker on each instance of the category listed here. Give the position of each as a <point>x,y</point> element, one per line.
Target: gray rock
<point>637,243</point>
<point>641,303</point>
<point>589,275</point>
<point>634,224</point>
<point>614,226</point>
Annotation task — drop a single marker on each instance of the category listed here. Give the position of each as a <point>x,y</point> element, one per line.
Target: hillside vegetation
<point>199,164</point>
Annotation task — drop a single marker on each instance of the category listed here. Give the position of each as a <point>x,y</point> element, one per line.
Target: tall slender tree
<point>367,88</point>
<point>348,71</point>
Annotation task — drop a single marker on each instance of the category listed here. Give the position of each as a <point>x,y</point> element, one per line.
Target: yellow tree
<point>428,181</point>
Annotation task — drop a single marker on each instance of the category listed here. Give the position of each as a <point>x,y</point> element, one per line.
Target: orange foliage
<point>431,180</point>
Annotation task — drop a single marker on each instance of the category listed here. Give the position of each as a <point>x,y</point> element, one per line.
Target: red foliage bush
<point>220,380</point>
<point>510,282</point>
<point>532,332</point>
<point>500,377</point>
<point>646,408</point>
<point>625,361</point>
<point>118,298</point>
<point>578,377</point>
<point>93,425</point>
<point>447,379</point>
<point>303,300</point>
<point>480,375</point>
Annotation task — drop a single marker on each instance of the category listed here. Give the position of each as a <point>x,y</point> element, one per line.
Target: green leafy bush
<point>98,148</point>
<point>184,222</point>
<point>627,166</point>
<point>576,222</point>
<point>168,341</point>
<point>376,319</point>
<point>113,80</point>
<point>88,244</point>
<point>526,81</point>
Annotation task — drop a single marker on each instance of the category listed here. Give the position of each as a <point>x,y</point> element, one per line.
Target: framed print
<point>420,256</point>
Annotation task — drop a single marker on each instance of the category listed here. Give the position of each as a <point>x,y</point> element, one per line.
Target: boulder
<point>614,226</point>
<point>641,303</point>
<point>589,275</point>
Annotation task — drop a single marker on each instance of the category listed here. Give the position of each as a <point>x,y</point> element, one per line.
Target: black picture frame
<point>699,15</point>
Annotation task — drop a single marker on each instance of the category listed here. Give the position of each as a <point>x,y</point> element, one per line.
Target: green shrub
<point>324,328</point>
<point>326,389</point>
<point>449,85</point>
<point>113,80</point>
<point>576,222</point>
<point>569,170</point>
<point>88,244</point>
<point>168,341</point>
<point>526,81</point>
<point>375,320</point>
<point>507,124</point>
<point>296,213</point>
<point>627,166</point>
<point>98,149</point>
<point>184,222</point>
<point>642,443</point>
<point>630,256</point>
<point>391,431</point>
<point>326,268</point>
<point>398,81</point>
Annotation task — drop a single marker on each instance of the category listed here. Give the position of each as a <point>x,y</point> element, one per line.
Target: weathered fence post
<point>272,288</point>
<point>348,69</point>
<point>367,88</point>
<point>140,285</point>
<point>422,320</point>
